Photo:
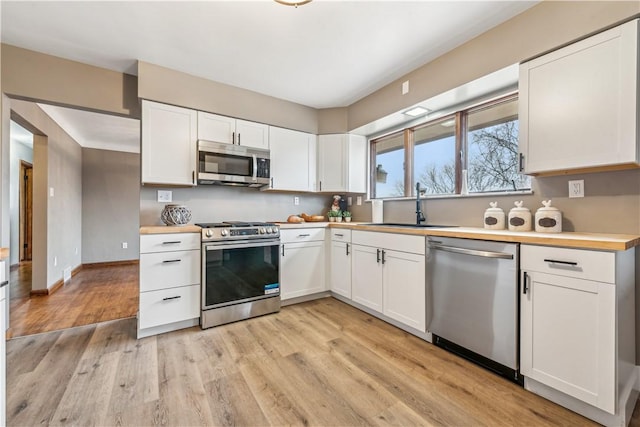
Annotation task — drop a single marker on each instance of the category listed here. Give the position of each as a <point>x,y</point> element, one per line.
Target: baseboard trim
<point>48,291</point>
<point>109,264</point>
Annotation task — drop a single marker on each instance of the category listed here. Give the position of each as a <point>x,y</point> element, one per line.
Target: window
<point>480,143</point>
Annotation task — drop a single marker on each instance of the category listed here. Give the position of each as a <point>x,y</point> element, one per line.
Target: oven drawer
<point>579,263</point>
<point>301,235</point>
<point>169,306</point>
<point>169,242</point>
<point>169,270</point>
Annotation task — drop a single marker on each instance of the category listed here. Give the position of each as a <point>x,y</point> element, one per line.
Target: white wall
<point>19,151</point>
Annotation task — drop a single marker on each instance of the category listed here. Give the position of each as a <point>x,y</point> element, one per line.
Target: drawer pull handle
<point>172,243</point>
<point>170,298</point>
<point>304,235</point>
<point>171,260</point>
<point>347,246</point>
<point>555,261</point>
<point>339,235</point>
<point>3,284</point>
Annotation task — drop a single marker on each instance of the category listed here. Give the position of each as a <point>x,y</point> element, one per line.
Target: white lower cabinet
<point>340,262</point>
<point>577,313</point>
<point>3,350</point>
<point>301,262</point>
<point>169,282</point>
<point>389,279</point>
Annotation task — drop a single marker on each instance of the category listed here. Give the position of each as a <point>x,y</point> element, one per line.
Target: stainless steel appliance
<point>472,300</point>
<point>240,271</point>
<point>228,164</point>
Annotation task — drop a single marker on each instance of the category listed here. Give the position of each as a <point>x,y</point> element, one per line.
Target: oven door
<point>239,272</point>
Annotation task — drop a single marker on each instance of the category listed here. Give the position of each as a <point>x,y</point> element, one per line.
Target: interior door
<point>26,211</point>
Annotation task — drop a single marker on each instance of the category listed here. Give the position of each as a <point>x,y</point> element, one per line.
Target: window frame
<point>461,150</point>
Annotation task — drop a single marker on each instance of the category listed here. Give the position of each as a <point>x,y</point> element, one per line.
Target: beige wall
<point>35,76</point>
<point>110,205</point>
<point>543,27</point>
<point>58,165</point>
<point>173,87</point>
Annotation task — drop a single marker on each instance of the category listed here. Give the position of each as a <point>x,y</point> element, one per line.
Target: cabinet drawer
<point>340,235</point>
<point>169,242</point>
<point>169,306</point>
<point>396,242</point>
<point>169,270</point>
<point>301,235</point>
<point>579,263</point>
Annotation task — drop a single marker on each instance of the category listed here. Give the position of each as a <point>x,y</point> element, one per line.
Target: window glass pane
<point>434,157</point>
<point>492,157</point>
<point>389,166</point>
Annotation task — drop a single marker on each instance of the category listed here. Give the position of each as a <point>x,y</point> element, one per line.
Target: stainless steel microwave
<point>229,164</point>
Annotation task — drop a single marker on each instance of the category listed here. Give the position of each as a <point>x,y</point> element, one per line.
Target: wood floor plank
<point>318,363</point>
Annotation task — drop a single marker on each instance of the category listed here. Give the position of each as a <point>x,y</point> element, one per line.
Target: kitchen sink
<point>395,224</point>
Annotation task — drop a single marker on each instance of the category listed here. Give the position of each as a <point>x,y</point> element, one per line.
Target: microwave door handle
<point>255,168</point>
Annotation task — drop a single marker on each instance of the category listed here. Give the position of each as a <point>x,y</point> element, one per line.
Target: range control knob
<point>208,233</point>
<point>262,230</point>
<point>224,232</point>
<point>274,229</point>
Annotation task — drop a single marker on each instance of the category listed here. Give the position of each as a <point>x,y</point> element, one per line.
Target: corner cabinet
<point>169,144</point>
<point>389,274</point>
<point>301,262</point>
<point>342,163</point>
<point>169,282</point>
<point>577,328</point>
<point>578,107</point>
<point>293,160</point>
<point>227,130</point>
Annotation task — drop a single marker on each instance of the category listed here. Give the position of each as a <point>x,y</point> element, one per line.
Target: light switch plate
<point>165,196</point>
<point>359,200</point>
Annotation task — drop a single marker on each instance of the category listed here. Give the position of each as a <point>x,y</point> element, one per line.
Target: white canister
<point>519,218</point>
<point>548,218</point>
<point>494,217</point>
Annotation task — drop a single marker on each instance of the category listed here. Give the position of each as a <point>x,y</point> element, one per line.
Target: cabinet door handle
<point>383,254</point>
<point>525,282</point>
<point>347,246</point>
<point>555,261</point>
<point>320,186</point>
<point>271,182</point>
<point>282,250</point>
<point>170,298</point>
<point>378,255</point>
<point>233,137</point>
<point>171,261</point>
<point>3,284</point>
<point>193,177</point>
<point>174,242</point>
<point>521,165</point>
<point>238,138</point>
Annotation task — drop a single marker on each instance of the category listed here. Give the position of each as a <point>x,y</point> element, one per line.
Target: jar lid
<point>519,207</point>
<point>494,208</point>
<point>547,207</point>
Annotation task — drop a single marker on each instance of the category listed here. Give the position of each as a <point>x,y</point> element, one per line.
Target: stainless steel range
<point>240,271</point>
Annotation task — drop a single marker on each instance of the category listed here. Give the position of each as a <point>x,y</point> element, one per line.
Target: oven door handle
<point>216,246</point>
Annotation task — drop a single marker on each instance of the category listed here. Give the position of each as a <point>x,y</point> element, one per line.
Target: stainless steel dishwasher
<point>472,301</point>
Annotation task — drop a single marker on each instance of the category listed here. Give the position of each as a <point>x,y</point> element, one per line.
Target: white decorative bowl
<point>175,215</point>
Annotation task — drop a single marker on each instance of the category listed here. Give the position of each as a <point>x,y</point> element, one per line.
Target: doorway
<point>26,211</point>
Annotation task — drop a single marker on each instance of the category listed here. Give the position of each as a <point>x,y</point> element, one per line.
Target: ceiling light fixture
<point>294,3</point>
<point>416,111</point>
<point>448,123</point>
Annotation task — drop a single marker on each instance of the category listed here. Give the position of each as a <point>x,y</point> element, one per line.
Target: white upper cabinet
<point>212,127</point>
<point>293,159</point>
<point>342,163</point>
<point>169,144</point>
<point>578,105</point>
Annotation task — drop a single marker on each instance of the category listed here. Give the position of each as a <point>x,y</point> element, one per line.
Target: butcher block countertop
<point>164,229</point>
<point>598,241</point>
<point>4,253</point>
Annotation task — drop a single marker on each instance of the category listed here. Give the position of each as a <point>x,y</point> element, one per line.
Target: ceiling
<point>323,54</point>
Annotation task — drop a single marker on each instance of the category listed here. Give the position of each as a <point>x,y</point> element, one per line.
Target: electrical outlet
<point>51,192</point>
<point>359,200</point>
<point>296,200</point>
<point>76,251</point>
<point>125,245</point>
<point>576,188</point>
<point>349,201</point>
<point>405,87</point>
<point>165,196</point>
<point>55,261</point>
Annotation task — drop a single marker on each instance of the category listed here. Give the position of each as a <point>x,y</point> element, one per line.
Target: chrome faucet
<point>419,215</point>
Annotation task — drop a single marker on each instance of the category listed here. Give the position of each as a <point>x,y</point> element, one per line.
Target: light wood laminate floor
<point>316,363</point>
<point>95,294</point>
